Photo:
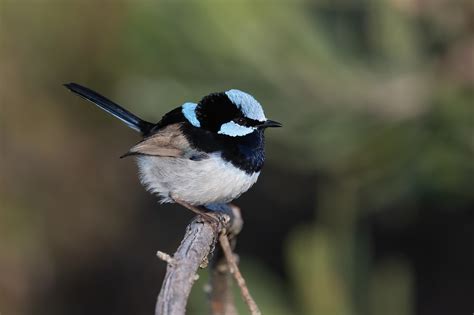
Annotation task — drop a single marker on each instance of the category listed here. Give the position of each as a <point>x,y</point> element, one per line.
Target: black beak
<point>269,123</point>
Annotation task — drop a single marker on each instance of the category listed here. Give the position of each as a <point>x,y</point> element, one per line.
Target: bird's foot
<point>217,221</point>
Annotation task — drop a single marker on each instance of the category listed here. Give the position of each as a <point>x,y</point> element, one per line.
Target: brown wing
<point>168,141</point>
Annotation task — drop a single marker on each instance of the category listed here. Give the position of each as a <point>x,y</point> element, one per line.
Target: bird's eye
<point>240,121</point>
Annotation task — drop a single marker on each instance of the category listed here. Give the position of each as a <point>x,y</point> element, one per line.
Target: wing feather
<point>168,141</point>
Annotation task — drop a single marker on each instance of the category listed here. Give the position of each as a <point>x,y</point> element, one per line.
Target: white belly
<point>210,180</point>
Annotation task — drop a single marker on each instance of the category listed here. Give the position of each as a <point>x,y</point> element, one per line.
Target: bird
<point>198,154</point>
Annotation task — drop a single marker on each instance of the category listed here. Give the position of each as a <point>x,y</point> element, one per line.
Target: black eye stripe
<point>247,122</point>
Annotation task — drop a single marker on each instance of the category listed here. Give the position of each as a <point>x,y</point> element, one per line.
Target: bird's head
<point>232,113</point>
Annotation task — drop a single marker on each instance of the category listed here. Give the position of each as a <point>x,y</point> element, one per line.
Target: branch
<point>234,270</point>
<point>198,243</point>
<point>221,297</point>
<point>182,267</point>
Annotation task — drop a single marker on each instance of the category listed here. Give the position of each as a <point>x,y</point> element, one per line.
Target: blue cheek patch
<point>189,111</point>
<point>235,130</point>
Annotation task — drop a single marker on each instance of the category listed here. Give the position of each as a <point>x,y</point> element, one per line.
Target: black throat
<point>244,152</point>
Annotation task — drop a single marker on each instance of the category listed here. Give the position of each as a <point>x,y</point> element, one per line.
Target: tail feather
<point>112,108</point>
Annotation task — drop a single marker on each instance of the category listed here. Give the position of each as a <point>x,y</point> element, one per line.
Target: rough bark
<point>197,245</point>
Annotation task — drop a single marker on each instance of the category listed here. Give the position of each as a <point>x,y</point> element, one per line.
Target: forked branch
<point>197,244</point>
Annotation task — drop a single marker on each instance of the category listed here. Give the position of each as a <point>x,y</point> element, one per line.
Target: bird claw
<point>218,222</point>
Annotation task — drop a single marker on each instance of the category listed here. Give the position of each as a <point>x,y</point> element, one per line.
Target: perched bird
<point>197,154</point>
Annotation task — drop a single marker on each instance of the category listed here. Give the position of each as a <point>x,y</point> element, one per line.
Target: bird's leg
<point>209,217</point>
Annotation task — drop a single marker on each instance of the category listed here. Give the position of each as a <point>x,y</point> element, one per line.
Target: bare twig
<point>234,270</point>
<point>180,274</point>
<point>220,287</point>
<point>166,258</point>
<point>198,243</point>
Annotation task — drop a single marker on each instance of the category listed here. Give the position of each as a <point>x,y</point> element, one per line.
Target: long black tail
<point>112,108</point>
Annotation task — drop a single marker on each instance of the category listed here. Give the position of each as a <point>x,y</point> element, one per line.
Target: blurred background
<point>366,202</point>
